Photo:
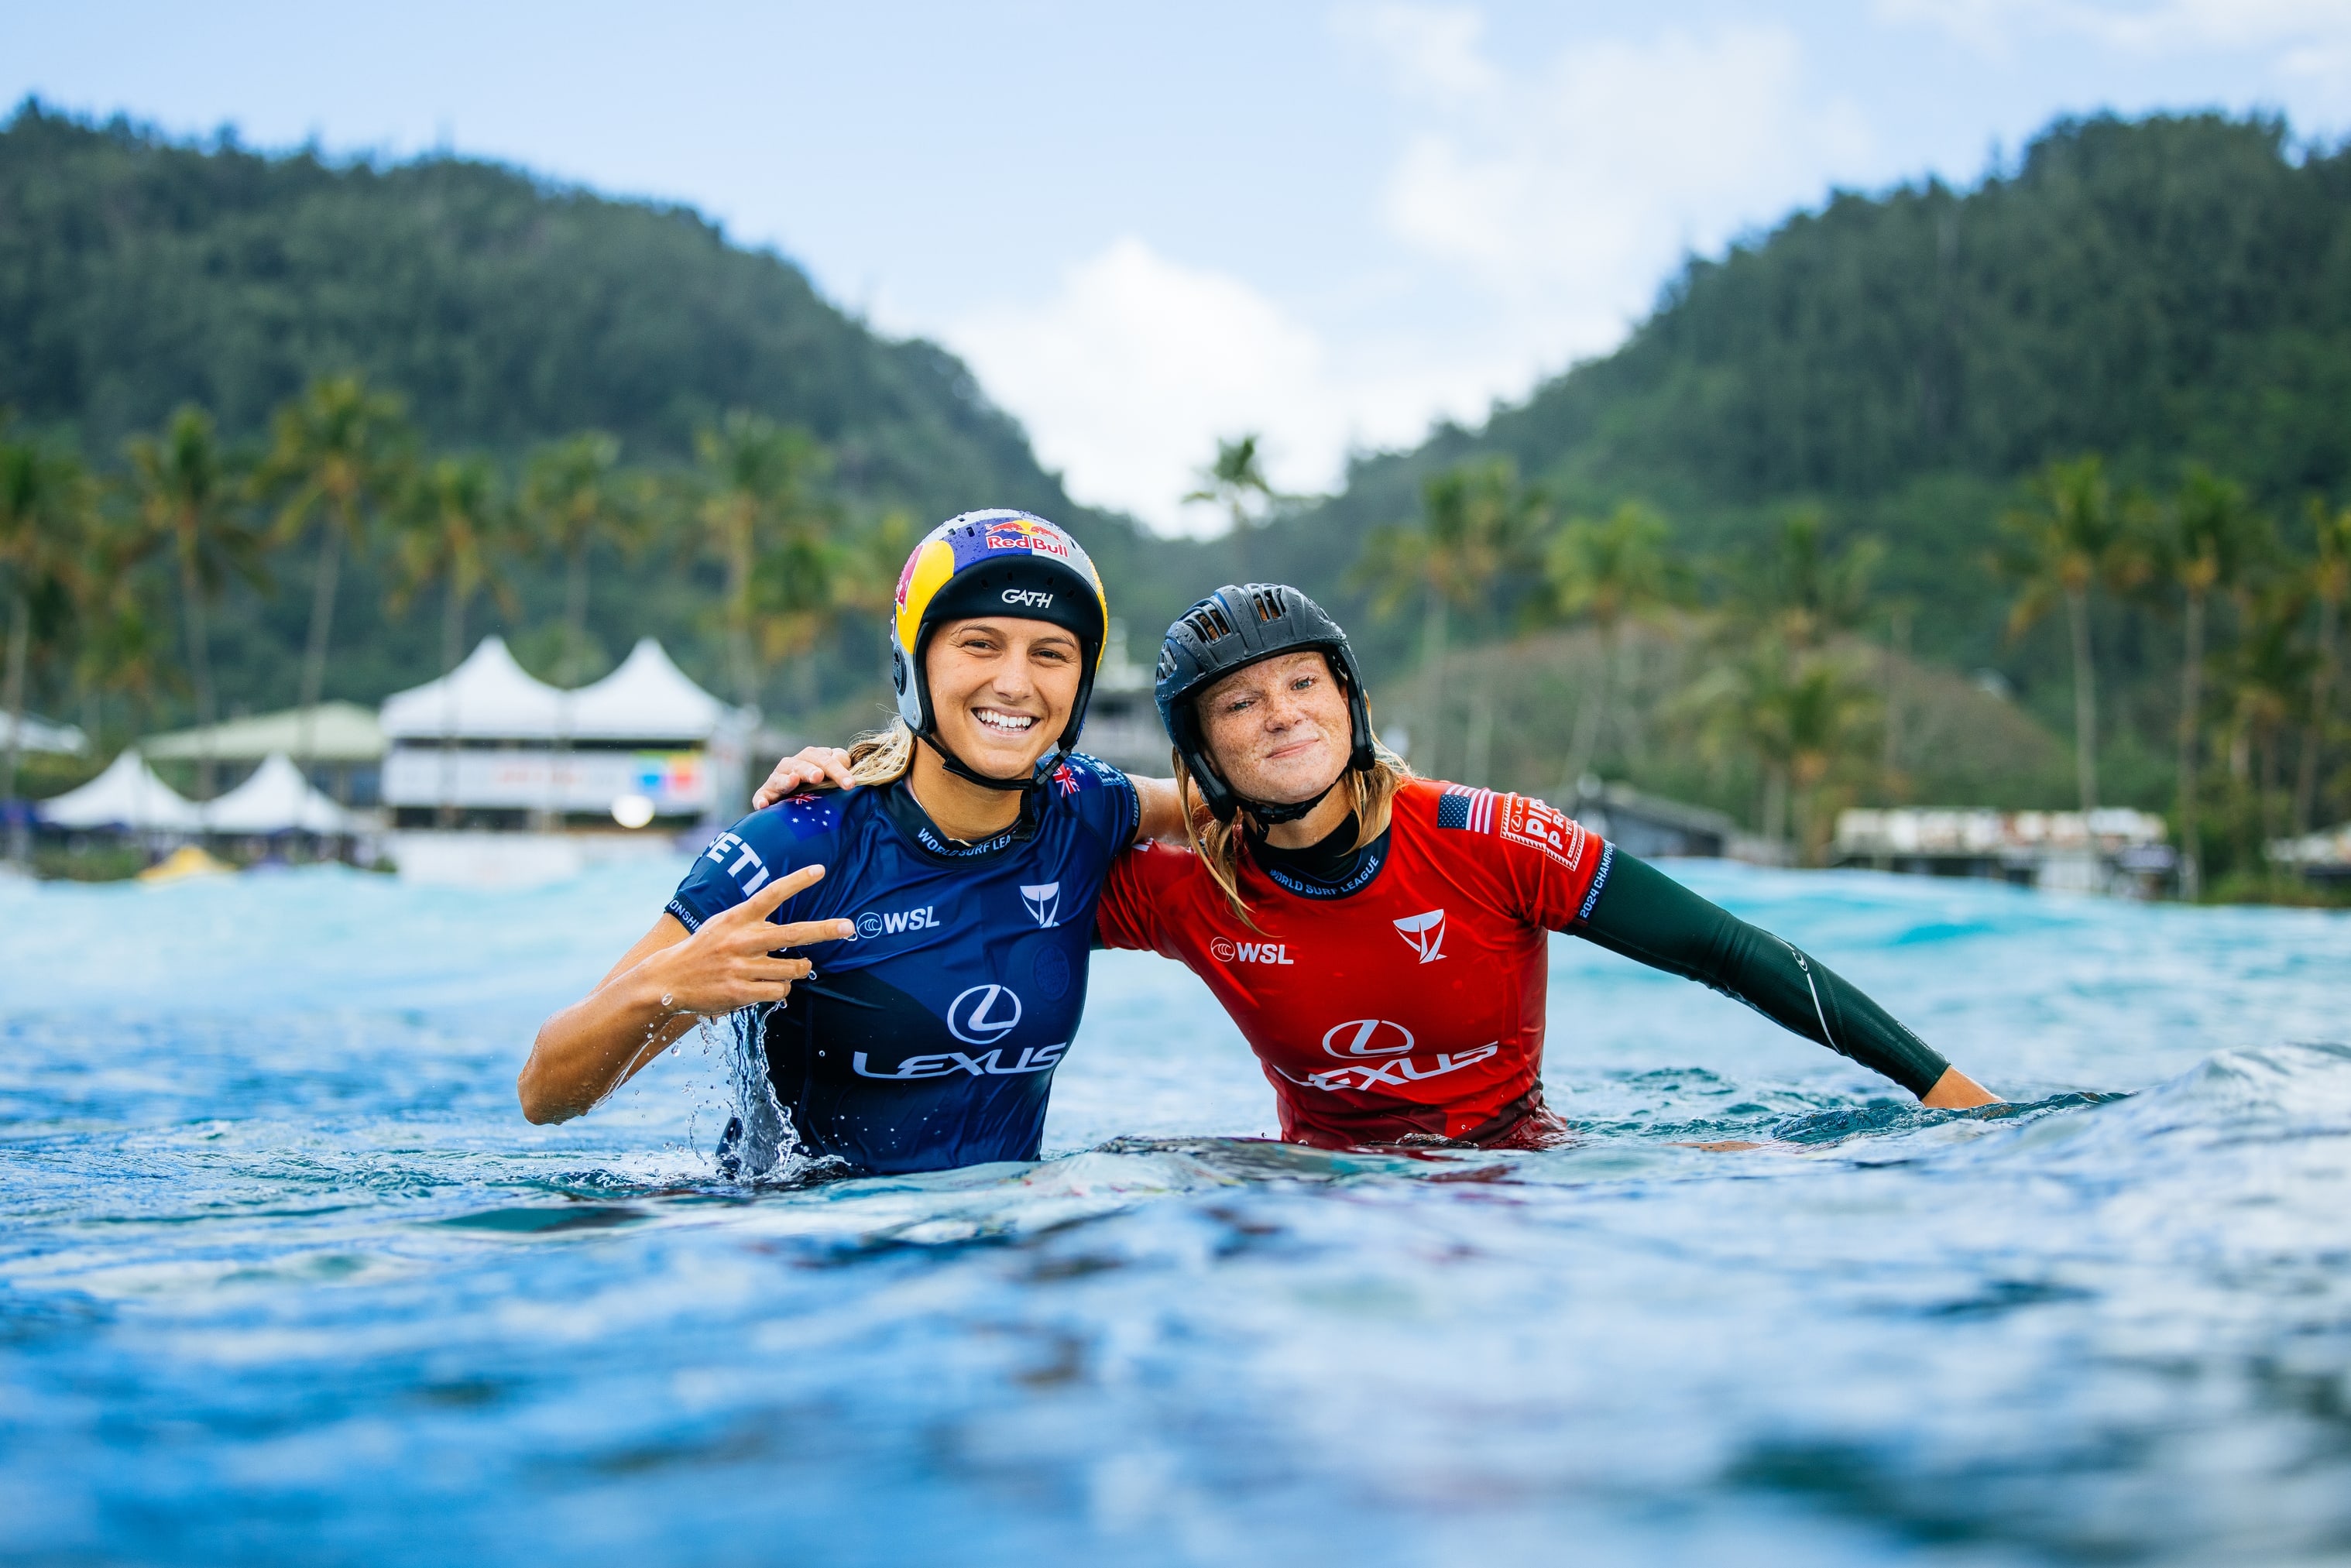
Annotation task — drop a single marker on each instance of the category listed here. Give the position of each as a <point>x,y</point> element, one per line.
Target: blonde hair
<point>1218,844</point>
<point>882,756</point>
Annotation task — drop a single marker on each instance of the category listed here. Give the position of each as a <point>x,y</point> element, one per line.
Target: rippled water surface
<point>284,1276</point>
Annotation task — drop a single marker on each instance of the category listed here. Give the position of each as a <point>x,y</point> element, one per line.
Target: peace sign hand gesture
<point>653,994</point>
<point>733,960</point>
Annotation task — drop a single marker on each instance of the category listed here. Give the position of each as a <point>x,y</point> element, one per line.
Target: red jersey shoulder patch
<point>1518,820</point>
<point>1557,834</point>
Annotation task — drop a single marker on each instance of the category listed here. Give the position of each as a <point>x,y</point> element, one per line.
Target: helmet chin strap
<point>962,769</point>
<point>1273,816</point>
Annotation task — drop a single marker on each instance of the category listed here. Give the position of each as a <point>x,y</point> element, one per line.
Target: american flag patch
<point>1462,807</point>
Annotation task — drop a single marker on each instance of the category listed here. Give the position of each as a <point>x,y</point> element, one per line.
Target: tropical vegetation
<point>1874,506</point>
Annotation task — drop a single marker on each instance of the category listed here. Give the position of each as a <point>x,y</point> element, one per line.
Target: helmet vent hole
<point>1208,623</point>
<point>1268,604</point>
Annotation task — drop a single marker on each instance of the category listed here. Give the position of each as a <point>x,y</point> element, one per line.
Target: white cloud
<point>1533,208</point>
<point>1128,374</point>
<point>1433,51</point>
<point>1568,191</point>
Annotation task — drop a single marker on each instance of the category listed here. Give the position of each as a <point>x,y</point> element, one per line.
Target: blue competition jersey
<point>929,1039</point>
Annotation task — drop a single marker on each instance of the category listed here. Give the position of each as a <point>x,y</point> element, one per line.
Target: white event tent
<point>127,795</point>
<point>487,697</point>
<point>277,800</point>
<point>647,698</point>
<point>490,736</point>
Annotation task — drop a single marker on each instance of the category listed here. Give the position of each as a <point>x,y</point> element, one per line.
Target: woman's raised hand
<point>731,961</point>
<point>807,770</point>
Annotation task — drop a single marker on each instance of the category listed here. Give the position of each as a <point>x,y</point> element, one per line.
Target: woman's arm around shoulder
<point>814,767</point>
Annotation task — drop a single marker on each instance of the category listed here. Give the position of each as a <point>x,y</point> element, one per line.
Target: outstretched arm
<point>816,765</point>
<point>1649,918</point>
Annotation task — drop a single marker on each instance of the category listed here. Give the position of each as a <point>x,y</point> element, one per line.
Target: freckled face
<point>1002,688</point>
<point>1279,730</point>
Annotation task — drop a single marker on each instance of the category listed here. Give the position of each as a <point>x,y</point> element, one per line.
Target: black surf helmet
<point>996,562</point>
<point>1233,628</point>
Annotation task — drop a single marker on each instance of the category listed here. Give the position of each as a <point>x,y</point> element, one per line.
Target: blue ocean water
<point>284,1276</point>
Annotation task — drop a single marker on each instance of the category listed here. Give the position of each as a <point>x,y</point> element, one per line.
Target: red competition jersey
<point>1410,1005</point>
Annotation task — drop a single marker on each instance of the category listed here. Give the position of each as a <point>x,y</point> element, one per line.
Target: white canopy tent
<point>647,698</point>
<point>491,697</point>
<point>277,800</point>
<point>644,734</point>
<point>127,795</point>
<point>487,697</point>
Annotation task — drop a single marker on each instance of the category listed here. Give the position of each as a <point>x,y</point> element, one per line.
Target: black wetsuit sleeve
<point>1649,918</point>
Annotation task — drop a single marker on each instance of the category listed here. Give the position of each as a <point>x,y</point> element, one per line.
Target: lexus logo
<point>1367,1037</point>
<point>1044,901</point>
<point>1425,934</point>
<point>984,1014</point>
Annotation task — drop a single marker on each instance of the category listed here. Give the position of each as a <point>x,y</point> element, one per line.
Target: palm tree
<point>1236,481</point>
<point>454,528</point>
<point>2329,580</point>
<point>46,506</point>
<point>186,496</point>
<point>1606,571</point>
<point>1800,591</point>
<point>2267,674</point>
<point>573,499</point>
<point>2211,535</point>
<point>121,640</point>
<point>866,576</point>
<point>1475,521</point>
<point>337,457</point>
<point>2060,547</point>
<point>1801,714</point>
<point>767,525</point>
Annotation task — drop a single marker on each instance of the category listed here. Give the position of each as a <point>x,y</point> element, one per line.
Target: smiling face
<point>1001,690</point>
<point>1279,730</point>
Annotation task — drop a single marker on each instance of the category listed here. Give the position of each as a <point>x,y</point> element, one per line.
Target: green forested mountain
<point>2164,291</point>
<point>136,274</point>
<point>2167,293</point>
<point>2172,295</point>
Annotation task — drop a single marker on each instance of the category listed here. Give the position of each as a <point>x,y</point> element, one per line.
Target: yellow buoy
<point>186,861</point>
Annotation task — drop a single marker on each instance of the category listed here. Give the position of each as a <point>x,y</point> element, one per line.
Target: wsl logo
<point>1424,933</point>
<point>1225,951</point>
<point>1044,901</point>
<point>874,923</point>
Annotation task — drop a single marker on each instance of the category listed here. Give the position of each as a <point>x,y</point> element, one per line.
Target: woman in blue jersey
<point>938,916</point>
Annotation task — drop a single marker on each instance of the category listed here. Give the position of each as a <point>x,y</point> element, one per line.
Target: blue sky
<point>1146,227</point>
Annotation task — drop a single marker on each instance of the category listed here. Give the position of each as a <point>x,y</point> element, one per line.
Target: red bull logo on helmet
<point>1031,534</point>
<point>968,540</point>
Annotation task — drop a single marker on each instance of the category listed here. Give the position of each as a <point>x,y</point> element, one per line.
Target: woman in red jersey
<point>1380,938</point>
